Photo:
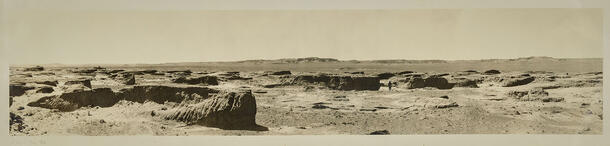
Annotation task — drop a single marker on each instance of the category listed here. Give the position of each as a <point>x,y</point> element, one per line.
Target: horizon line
<point>340,60</point>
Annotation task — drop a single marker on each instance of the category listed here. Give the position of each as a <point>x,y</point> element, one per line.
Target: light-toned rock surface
<point>561,98</point>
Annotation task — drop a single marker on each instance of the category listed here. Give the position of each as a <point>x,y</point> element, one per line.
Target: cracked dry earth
<point>571,104</point>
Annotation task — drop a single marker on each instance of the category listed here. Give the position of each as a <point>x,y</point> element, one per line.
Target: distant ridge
<point>327,60</point>
<point>531,58</point>
<point>535,58</point>
<point>391,61</point>
<point>293,60</point>
<point>409,61</point>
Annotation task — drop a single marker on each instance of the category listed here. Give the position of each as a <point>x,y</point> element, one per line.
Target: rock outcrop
<point>414,82</point>
<point>18,89</point>
<point>84,82</point>
<point>385,75</point>
<point>354,83</point>
<point>85,71</point>
<point>517,81</point>
<point>339,82</point>
<point>16,123</point>
<point>115,71</point>
<point>161,94</point>
<point>431,81</point>
<point>492,72</point>
<point>50,83</point>
<point>315,79</point>
<point>45,89</point>
<point>209,80</point>
<point>150,71</point>
<point>179,73</point>
<point>226,110</point>
<point>126,78</point>
<point>463,82</point>
<point>536,94</point>
<point>35,68</point>
<point>232,76</point>
<point>198,105</point>
<point>286,72</point>
<point>70,101</point>
<point>437,82</point>
<point>405,72</point>
<point>142,72</point>
<point>237,77</point>
<point>380,132</point>
<point>105,97</point>
<point>272,85</point>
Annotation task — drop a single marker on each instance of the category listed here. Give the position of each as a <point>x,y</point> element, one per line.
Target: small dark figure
<point>390,85</point>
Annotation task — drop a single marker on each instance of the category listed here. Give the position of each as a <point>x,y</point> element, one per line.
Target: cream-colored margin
<point>418,140</point>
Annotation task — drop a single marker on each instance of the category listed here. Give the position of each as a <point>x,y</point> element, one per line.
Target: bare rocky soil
<point>321,97</point>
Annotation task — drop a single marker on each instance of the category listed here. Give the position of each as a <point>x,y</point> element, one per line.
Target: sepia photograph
<point>303,72</point>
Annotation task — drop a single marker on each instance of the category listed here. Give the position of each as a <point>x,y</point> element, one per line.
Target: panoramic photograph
<point>304,72</point>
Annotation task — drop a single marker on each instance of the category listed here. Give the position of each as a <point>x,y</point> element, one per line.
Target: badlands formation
<point>310,96</point>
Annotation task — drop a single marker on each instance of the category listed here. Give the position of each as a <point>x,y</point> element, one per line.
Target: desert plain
<point>309,96</point>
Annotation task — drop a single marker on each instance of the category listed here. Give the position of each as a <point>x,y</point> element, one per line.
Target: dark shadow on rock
<point>255,127</point>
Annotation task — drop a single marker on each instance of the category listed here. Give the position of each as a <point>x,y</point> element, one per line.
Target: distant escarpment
<point>293,60</point>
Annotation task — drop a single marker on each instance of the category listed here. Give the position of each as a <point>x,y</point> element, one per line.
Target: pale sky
<point>61,35</point>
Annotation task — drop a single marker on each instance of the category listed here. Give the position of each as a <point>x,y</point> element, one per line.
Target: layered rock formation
<point>18,89</point>
<point>339,82</point>
<point>517,81</point>
<point>431,81</point>
<point>198,105</point>
<point>209,80</point>
<point>226,110</point>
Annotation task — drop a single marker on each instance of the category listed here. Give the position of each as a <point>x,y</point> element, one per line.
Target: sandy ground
<point>288,110</point>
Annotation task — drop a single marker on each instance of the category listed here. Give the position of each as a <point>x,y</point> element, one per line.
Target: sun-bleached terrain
<point>310,96</point>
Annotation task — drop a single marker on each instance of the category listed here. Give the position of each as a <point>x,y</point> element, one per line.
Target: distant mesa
<point>293,60</point>
<point>326,60</point>
<point>305,60</point>
<point>531,58</point>
<point>309,59</point>
<point>536,58</point>
<point>408,61</point>
<point>389,61</point>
